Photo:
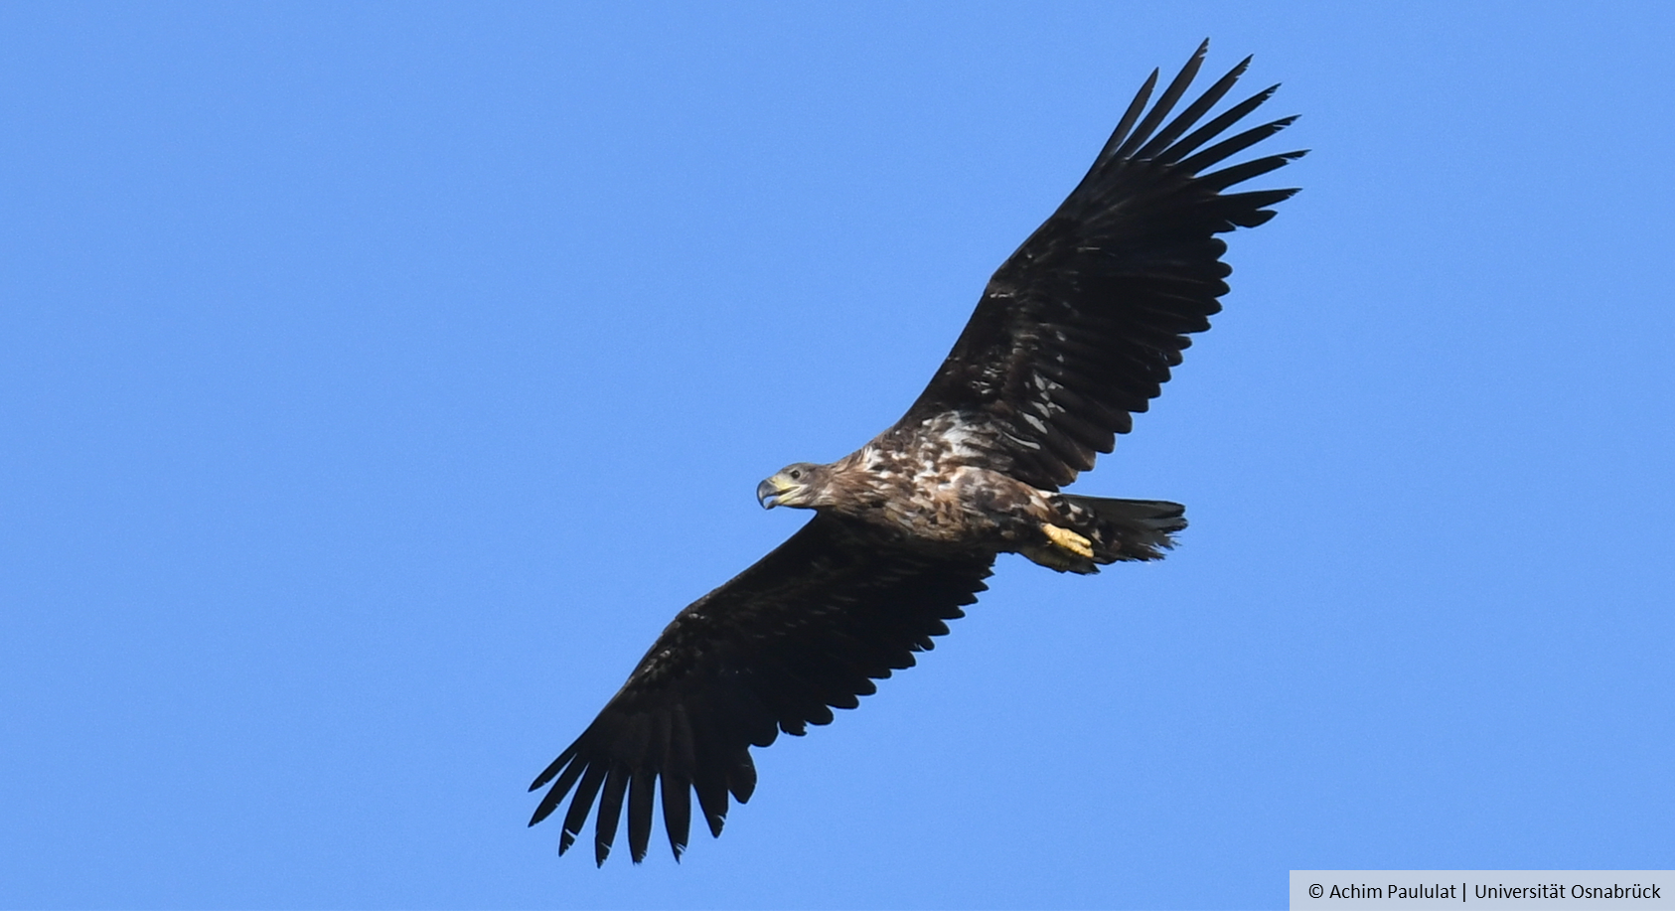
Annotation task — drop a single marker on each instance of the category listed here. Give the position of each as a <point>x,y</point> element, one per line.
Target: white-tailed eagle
<point>1075,332</point>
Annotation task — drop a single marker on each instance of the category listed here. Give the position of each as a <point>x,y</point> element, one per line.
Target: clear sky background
<point>376,382</point>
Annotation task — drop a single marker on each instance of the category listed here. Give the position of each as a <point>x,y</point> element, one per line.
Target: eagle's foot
<point>1069,540</point>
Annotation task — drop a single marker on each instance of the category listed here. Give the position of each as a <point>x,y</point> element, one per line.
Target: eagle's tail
<point>1091,531</point>
<point>1128,529</point>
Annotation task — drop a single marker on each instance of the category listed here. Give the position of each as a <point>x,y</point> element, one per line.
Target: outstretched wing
<point>804,630</point>
<point>1078,329</point>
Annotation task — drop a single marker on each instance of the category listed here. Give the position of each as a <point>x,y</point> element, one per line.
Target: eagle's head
<point>798,484</point>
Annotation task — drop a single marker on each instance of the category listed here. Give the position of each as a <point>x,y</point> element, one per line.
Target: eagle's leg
<point>1068,540</point>
<point>1061,549</point>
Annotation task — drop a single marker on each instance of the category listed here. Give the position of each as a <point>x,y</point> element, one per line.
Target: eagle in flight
<point>1075,333</point>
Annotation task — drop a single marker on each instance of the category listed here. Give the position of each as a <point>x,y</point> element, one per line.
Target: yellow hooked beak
<point>769,493</point>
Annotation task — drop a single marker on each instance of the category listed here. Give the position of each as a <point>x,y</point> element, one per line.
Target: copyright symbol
<point>1315,891</point>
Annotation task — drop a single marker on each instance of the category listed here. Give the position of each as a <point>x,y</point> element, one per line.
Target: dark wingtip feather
<point>1195,110</point>
<point>573,767</point>
<point>553,767</point>
<point>1120,134</point>
<point>610,812</point>
<point>1235,144</point>
<point>710,783</point>
<point>741,778</point>
<point>1239,173</point>
<point>1214,128</point>
<point>677,814</point>
<point>586,790</point>
<point>640,793</point>
<point>1165,102</point>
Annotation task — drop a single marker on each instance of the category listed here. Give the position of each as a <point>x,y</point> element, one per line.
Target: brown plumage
<point>1075,332</point>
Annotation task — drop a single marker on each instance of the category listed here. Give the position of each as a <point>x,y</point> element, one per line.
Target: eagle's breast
<point>928,482</point>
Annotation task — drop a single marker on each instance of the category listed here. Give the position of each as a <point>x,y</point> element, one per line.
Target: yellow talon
<point>1069,540</point>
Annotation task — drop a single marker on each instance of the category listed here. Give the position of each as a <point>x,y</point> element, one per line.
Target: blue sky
<point>376,381</point>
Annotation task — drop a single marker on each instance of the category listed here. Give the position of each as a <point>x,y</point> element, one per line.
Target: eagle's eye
<point>796,473</point>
